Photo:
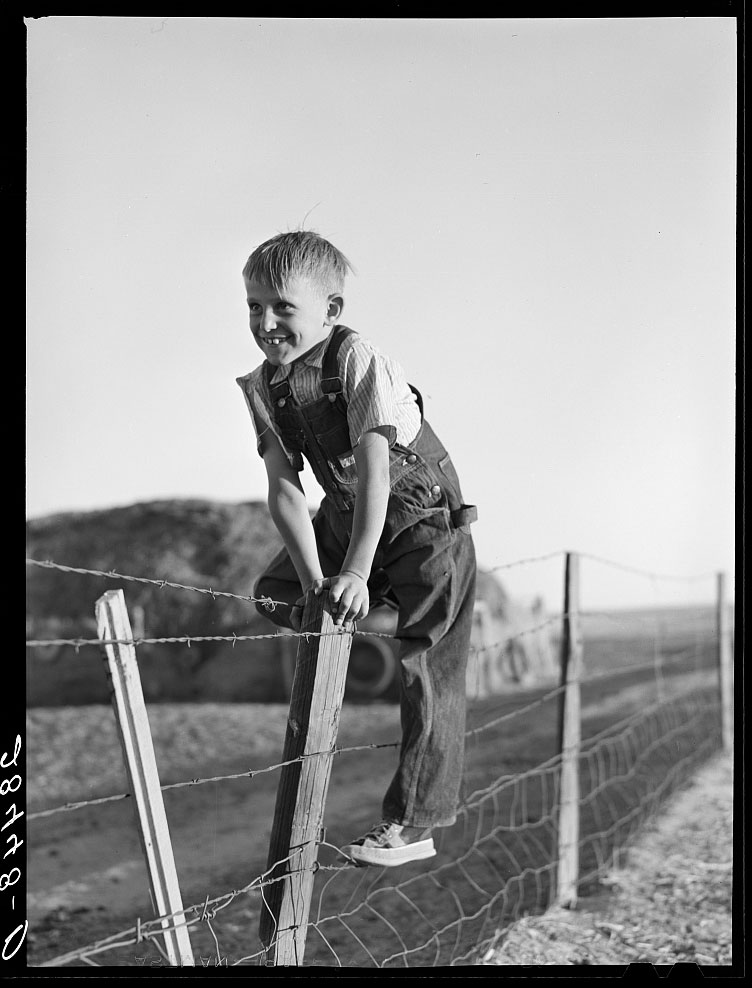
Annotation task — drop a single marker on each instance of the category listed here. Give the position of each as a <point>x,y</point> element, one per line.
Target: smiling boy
<point>392,527</point>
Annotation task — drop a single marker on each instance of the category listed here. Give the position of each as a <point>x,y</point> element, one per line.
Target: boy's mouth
<point>272,340</point>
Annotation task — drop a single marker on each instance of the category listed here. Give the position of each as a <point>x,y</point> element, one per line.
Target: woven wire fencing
<point>650,715</point>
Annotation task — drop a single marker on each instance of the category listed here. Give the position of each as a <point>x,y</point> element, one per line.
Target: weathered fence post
<point>317,692</point>
<point>568,856</point>
<point>138,752</point>
<point>725,665</point>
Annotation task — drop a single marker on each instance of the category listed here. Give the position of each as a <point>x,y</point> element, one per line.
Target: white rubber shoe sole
<point>389,857</point>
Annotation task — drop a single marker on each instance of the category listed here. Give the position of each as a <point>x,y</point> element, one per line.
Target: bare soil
<point>87,879</point>
<point>669,901</point>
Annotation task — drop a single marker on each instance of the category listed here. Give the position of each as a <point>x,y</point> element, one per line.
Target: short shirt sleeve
<point>260,416</point>
<point>378,395</point>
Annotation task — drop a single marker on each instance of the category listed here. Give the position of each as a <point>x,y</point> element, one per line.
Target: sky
<point>541,214</point>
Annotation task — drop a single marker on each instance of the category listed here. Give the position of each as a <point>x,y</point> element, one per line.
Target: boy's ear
<point>335,305</point>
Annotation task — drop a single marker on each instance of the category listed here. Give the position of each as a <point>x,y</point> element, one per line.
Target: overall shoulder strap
<point>277,392</point>
<point>331,383</point>
<point>418,399</point>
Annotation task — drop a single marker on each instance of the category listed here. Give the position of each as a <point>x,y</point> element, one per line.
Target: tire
<point>519,663</point>
<point>372,670</point>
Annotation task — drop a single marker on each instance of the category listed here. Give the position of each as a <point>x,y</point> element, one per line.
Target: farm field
<point>86,877</point>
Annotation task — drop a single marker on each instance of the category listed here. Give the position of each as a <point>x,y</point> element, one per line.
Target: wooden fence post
<point>568,856</point>
<point>725,665</point>
<point>317,692</point>
<point>141,765</point>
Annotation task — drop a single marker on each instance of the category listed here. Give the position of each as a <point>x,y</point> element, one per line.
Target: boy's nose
<point>268,322</point>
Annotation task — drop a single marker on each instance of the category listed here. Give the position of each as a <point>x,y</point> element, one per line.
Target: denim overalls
<point>424,566</point>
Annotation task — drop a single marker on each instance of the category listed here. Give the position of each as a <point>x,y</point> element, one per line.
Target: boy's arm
<point>348,592</point>
<point>289,510</point>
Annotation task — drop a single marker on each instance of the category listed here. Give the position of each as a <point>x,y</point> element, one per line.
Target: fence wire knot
<point>205,910</point>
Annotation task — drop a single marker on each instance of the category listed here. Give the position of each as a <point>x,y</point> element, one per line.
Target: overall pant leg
<point>280,580</point>
<point>431,568</point>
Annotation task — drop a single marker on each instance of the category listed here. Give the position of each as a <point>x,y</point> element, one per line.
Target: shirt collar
<point>313,358</point>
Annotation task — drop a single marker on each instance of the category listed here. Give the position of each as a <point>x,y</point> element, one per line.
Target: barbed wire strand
<point>522,562</point>
<point>113,575</point>
<point>694,578</point>
<point>250,774</point>
<point>78,643</point>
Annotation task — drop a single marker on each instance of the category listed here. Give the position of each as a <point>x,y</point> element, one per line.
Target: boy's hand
<point>296,613</point>
<point>348,596</point>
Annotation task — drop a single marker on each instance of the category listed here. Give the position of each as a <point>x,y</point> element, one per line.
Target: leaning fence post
<point>114,625</point>
<point>317,691</point>
<point>725,665</point>
<point>569,739</point>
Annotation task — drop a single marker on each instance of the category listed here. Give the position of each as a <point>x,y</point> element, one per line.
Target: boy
<point>392,527</point>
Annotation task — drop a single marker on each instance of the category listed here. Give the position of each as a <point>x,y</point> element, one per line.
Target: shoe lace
<point>379,829</point>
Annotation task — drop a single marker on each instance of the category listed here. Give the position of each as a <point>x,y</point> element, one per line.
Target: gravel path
<point>668,903</point>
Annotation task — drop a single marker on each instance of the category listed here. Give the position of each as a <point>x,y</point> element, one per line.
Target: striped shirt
<point>374,387</point>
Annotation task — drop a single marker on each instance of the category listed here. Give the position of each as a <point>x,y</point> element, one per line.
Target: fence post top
<point>109,595</point>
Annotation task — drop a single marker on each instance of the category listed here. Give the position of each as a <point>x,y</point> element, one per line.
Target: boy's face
<point>289,323</point>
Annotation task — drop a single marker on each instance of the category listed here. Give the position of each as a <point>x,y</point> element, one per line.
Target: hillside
<point>191,542</point>
<point>203,544</point>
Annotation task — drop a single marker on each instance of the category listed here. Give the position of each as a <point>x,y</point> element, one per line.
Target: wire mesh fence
<point>650,714</point>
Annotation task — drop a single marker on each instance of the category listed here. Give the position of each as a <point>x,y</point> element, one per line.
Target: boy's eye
<point>254,306</point>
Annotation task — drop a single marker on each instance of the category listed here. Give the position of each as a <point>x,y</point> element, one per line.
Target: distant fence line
<point>547,854</point>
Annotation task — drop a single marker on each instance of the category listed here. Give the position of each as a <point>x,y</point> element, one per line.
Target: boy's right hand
<point>348,596</point>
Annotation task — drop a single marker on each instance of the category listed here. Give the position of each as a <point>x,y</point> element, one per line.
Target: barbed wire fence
<point>652,702</point>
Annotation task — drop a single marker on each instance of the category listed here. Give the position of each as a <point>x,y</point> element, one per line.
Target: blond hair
<point>298,254</point>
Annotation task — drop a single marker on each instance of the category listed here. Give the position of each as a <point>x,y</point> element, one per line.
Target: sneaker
<point>389,844</point>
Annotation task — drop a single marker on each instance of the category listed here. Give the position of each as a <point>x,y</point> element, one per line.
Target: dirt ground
<point>86,876</point>
<point>668,903</point>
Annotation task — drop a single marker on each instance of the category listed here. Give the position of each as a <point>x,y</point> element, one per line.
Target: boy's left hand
<point>348,596</point>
